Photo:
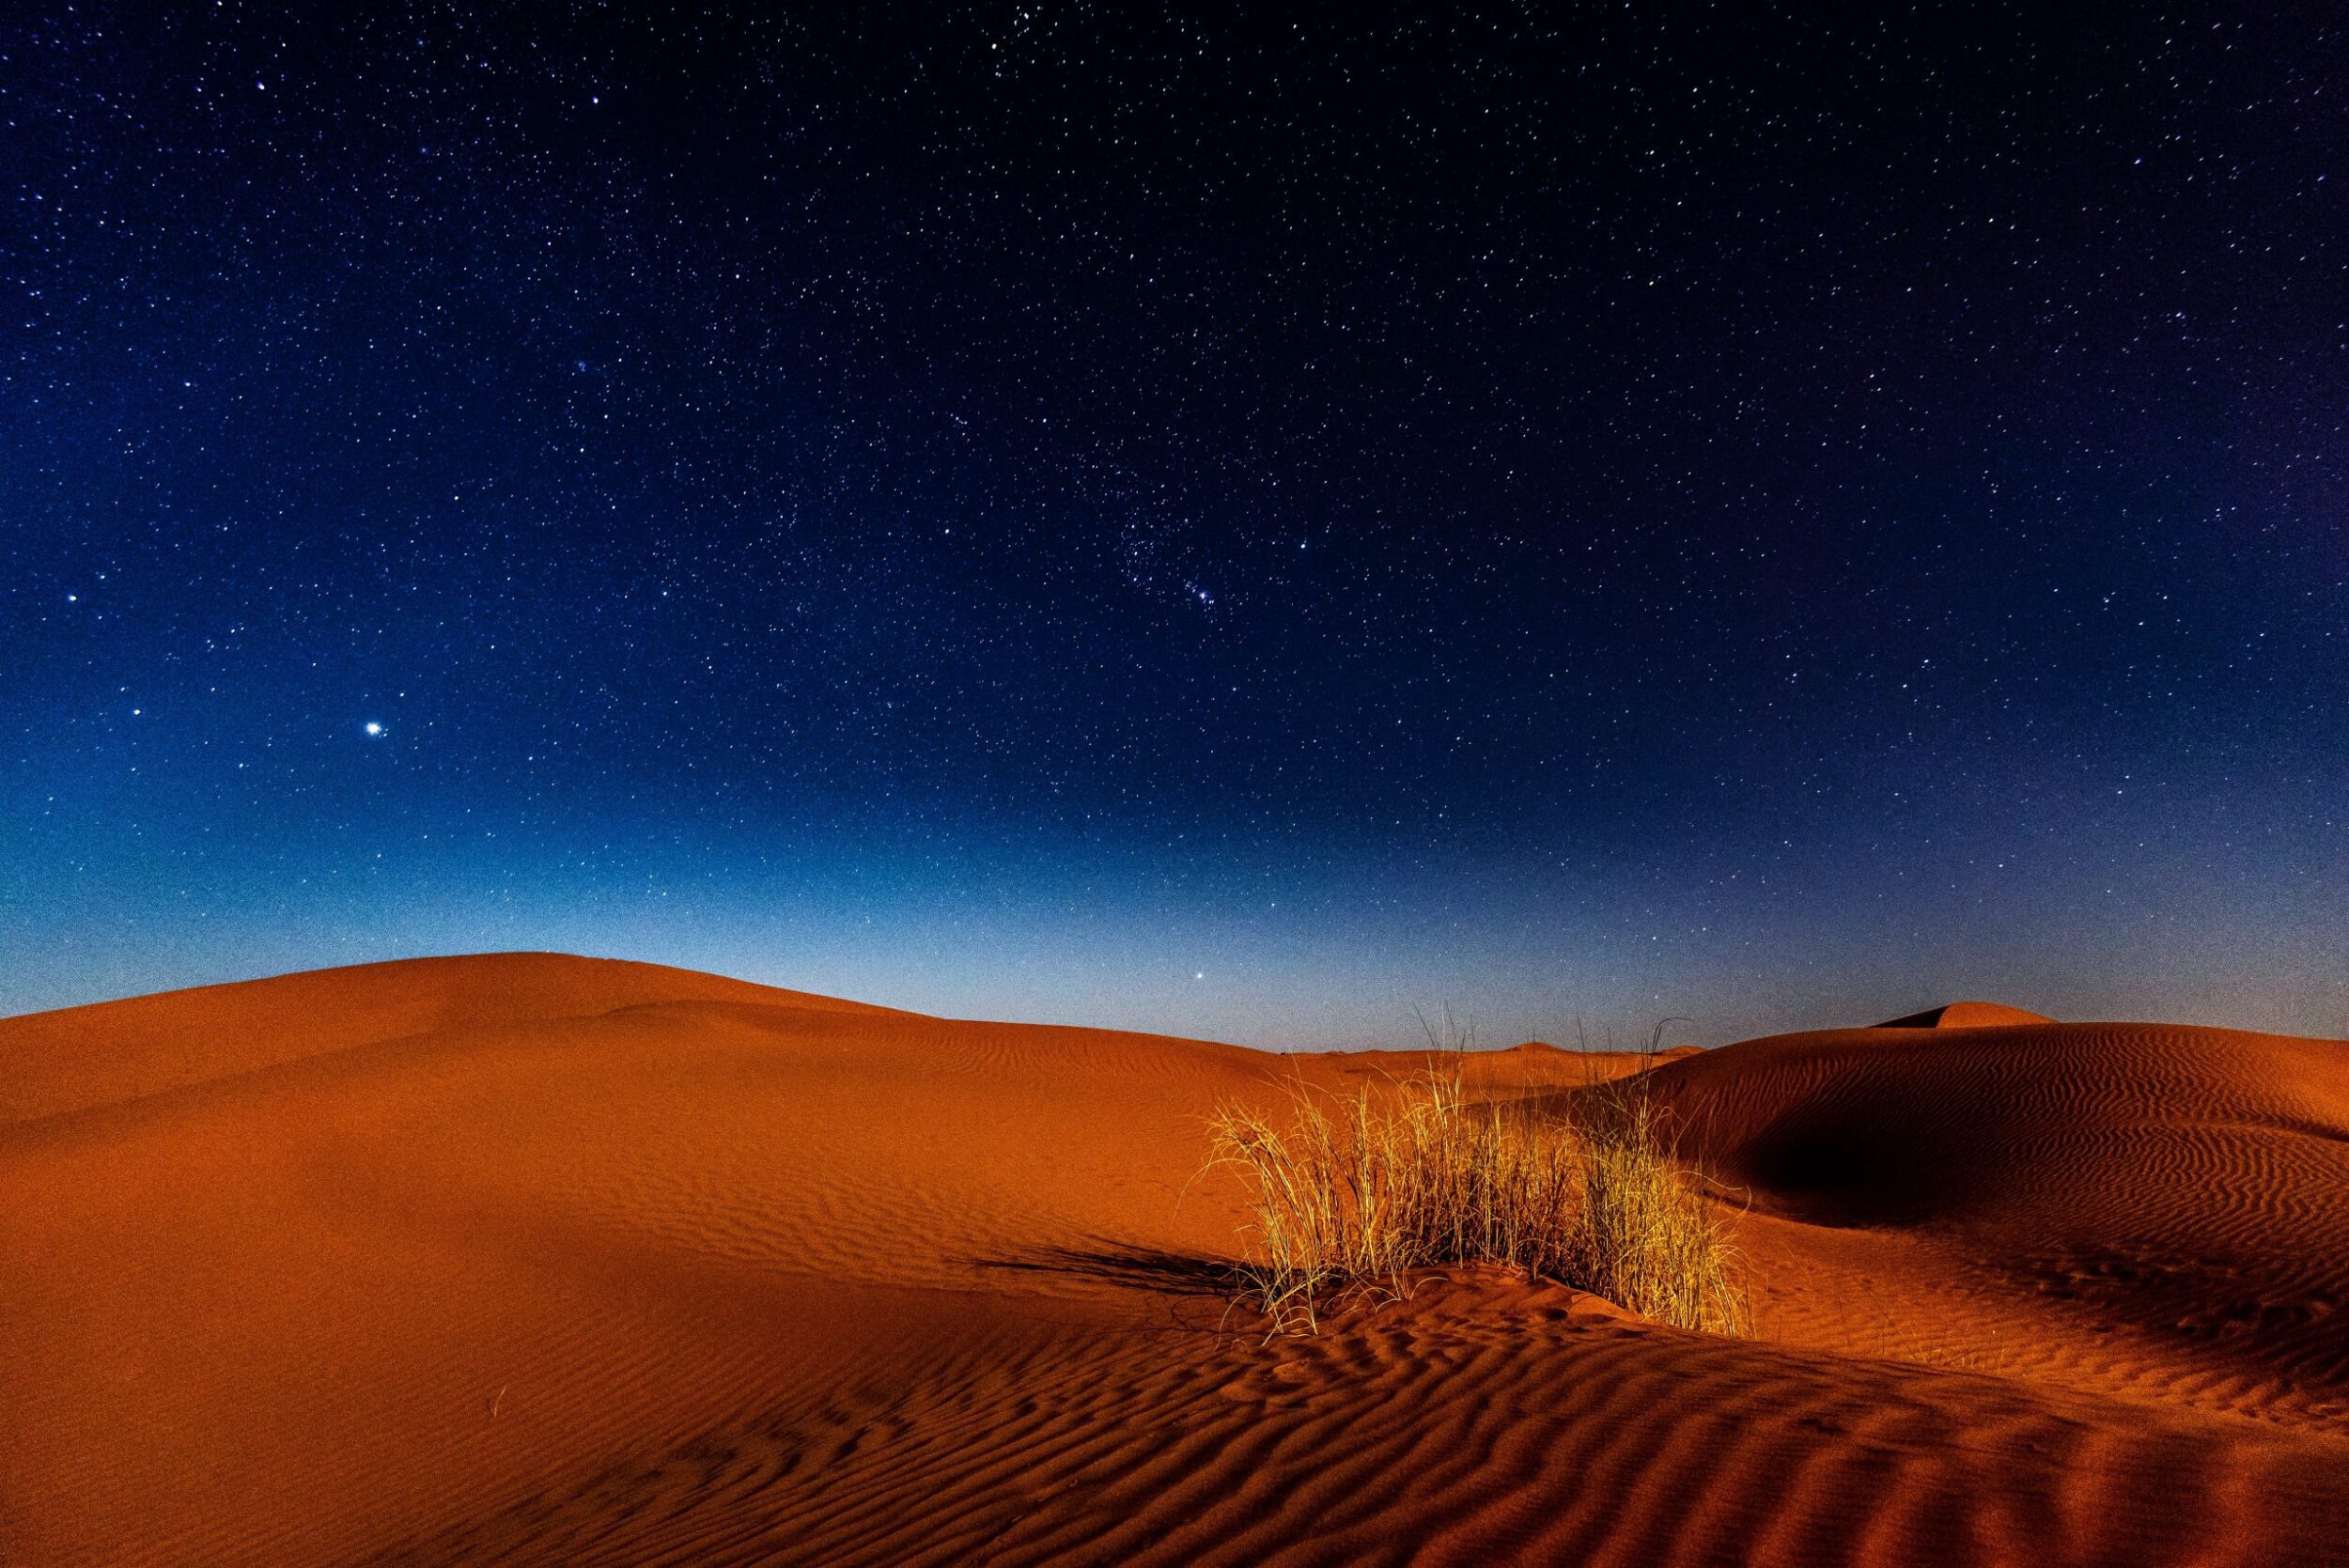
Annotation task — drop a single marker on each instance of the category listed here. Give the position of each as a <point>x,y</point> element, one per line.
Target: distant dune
<point>530,1259</point>
<point>1967,1014</point>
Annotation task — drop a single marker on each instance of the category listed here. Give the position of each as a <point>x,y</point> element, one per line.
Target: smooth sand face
<point>532,1259</point>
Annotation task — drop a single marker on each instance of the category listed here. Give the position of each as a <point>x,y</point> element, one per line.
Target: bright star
<point>374,728</point>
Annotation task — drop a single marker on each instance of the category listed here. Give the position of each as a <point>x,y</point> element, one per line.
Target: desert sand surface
<point>531,1259</point>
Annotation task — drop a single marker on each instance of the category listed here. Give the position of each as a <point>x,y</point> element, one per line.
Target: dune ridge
<point>76,1058</point>
<point>530,1259</point>
<point>1967,1014</point>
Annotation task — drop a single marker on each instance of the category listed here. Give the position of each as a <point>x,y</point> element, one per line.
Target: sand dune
<point>1967,1014</point>
<point>535,1259</point>
<point>2126,1207</point>
<point>81,1057</point>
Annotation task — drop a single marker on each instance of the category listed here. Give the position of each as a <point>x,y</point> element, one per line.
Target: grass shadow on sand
<point>1129,1267</point>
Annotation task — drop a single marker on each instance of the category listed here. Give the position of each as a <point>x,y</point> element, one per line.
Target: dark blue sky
<point>1197,521</point>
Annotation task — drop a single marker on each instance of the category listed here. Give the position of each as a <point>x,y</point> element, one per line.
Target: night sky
<point>1187,519</point>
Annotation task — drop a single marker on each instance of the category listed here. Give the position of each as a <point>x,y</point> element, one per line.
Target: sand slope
<point>532,1259</point>
<point>2129,1207</point>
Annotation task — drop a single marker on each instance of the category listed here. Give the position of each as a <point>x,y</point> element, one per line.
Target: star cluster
<point>1185,519</point>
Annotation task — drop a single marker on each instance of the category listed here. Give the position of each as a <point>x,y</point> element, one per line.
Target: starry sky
<point>1187,518</point>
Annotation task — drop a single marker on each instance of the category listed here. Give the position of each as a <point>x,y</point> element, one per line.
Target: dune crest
<point>525,1259</point>
<point>109,1052</point>
<point>1967,1014</point>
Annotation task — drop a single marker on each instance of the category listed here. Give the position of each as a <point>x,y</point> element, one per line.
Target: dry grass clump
<point>1352,1193</point>
<point>1644,1237</point>
<point>1356,1193</point>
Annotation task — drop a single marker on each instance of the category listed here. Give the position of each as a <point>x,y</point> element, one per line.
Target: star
<point>374,728</point>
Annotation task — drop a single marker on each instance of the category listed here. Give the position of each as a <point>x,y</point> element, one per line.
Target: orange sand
<point>547,1260</point>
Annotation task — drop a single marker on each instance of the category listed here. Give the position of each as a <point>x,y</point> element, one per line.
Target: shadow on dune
<point>1127,1267</point>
